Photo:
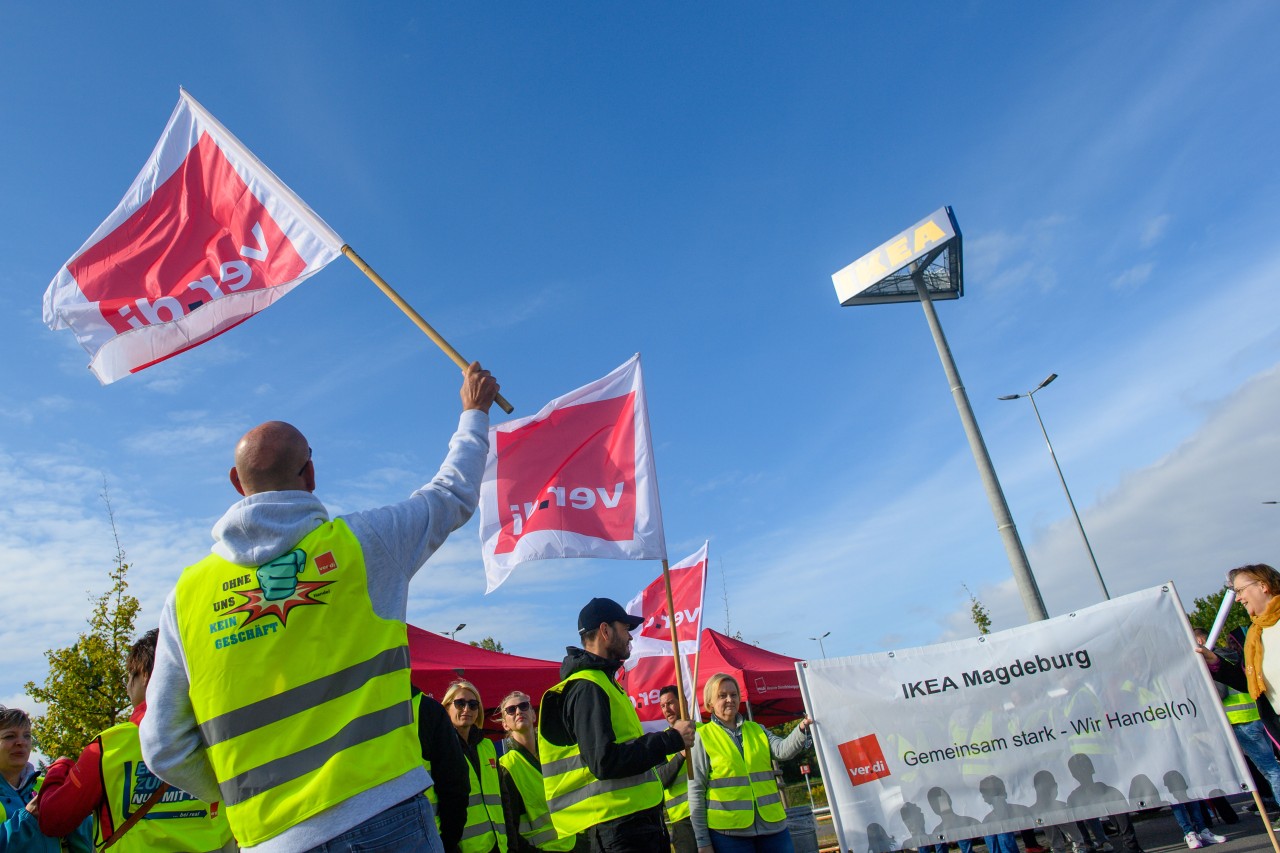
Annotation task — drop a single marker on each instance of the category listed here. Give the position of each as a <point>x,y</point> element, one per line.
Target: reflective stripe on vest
<point>486,825</point>
<point>1240,708</point>
<point>300,690</point>
<point>676,798</point>
<point>741,782</point>
<point>576,798</point>
<point>177,822</point>
<point>535,823</point>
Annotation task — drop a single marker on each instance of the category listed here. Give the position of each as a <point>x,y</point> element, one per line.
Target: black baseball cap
<point>600,610</point>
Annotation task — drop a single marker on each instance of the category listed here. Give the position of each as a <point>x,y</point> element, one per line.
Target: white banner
<point>1101,711</point>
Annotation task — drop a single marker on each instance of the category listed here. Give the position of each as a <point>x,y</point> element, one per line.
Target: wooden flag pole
<point>675,657</point>
<point>418,321</point>
<point>1266,821</point>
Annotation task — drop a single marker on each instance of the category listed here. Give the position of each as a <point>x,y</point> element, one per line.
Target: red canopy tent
<point>436,661</point>
<point>767,679</point>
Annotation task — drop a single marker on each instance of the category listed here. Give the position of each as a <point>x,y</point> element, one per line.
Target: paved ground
<point>1157,833</point>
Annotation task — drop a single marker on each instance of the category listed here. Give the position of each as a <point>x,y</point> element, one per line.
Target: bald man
<point>281,680</point>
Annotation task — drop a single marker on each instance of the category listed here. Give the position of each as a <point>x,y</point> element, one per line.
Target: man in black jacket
<point>442,750</point>
<point>580,713</point>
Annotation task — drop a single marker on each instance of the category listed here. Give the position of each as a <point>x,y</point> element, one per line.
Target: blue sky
<point>558,186</point>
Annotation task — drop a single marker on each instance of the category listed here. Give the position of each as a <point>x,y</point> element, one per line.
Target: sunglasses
<point>464,704</point>
<point>512,710</point>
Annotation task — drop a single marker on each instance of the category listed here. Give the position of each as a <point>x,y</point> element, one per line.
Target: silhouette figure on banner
<point>940,802</point>
<point>879,840</point>
<point>1143,794</point>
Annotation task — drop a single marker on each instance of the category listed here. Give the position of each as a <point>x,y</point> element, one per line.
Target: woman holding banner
<point>734,802</point>
<point>1257,587</point>
<point>486,829</point>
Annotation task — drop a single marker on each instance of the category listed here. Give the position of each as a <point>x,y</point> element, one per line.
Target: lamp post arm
<point>1070,502</point>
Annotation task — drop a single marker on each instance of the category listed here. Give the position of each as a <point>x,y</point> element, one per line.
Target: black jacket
<point>1232,674</point>
<point>441,746</point>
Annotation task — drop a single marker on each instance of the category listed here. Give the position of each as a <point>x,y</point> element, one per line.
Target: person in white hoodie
<point>297,717</point>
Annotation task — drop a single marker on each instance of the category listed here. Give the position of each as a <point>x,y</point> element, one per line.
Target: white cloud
<point>1154,230</point>
<point>1134,276</point>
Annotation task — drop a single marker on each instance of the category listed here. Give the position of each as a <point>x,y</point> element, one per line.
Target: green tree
<point>978,612</point>
<point>85,689</point>
<point>1206,610</point>
<point>489,643</point>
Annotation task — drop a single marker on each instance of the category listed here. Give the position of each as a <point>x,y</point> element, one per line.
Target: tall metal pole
<point>1031,599</point>
<point>1079,525</point>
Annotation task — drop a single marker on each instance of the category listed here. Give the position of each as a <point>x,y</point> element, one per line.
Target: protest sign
<point>1097,712</point>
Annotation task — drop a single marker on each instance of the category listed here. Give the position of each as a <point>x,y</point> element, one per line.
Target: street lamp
<point>1031,395</point>
<point>819,641</point>
<point>454,633</point>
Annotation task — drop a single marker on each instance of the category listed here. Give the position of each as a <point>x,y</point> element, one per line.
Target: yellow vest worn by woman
<point>178,822</point>
<point>301,691</point>
<point>485,825</point>
<point>576,798</point>
<point>535,824</point>
<point>741,782</point>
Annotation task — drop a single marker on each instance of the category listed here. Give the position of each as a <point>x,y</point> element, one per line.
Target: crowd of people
<point>286,721</point>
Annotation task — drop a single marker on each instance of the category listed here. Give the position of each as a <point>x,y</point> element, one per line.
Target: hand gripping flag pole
<point>413,315</point>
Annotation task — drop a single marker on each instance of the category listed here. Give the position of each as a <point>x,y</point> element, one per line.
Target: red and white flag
<point>575,480</point>
<point>651,667</point>
<point>206,237</point>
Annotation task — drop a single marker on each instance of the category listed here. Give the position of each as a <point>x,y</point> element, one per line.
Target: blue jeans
<point>1005,842</point>
<point>1257,746</point>
<point>409,827</point>
<point>1190,816</point>
<point>774,842</point>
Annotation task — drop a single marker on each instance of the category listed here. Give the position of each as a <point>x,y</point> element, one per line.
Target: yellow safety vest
<point>1240,707</point>
<point>741,782</point>
<point>576,798</point>
<point>486,825</point>
<point>177,823</point>
<point>301,693</point>
<point>676,798</point>
<point>535,824</point>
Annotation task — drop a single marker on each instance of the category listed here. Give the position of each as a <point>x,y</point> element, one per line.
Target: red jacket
<point>74,789</point>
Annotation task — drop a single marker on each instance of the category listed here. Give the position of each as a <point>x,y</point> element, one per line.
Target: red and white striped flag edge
<point>576,479</point>
<point>651,666</point>
<point>205,237</point>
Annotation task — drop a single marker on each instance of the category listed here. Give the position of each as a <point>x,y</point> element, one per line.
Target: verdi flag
<point>651,666</point>
<point>206,237</point>
<point>575,480</point>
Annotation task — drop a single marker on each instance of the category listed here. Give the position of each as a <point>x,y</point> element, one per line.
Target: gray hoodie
<point>396,540</point>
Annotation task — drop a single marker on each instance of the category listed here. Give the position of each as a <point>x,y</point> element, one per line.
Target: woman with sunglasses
<point>524,798</point>
<point>486,830</point>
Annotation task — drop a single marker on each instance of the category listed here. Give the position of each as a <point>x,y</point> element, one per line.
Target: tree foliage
<point>978,612</point>
<point>489,643</point>
<point>1206,610</point>
<point>85,689</point>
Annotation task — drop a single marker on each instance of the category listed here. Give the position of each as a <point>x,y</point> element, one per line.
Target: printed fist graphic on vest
<point>279,578</point>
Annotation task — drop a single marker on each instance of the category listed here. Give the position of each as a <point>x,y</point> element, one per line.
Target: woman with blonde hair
<point>486,830</point>
<point>734,802</point>
<point>524,799</point>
